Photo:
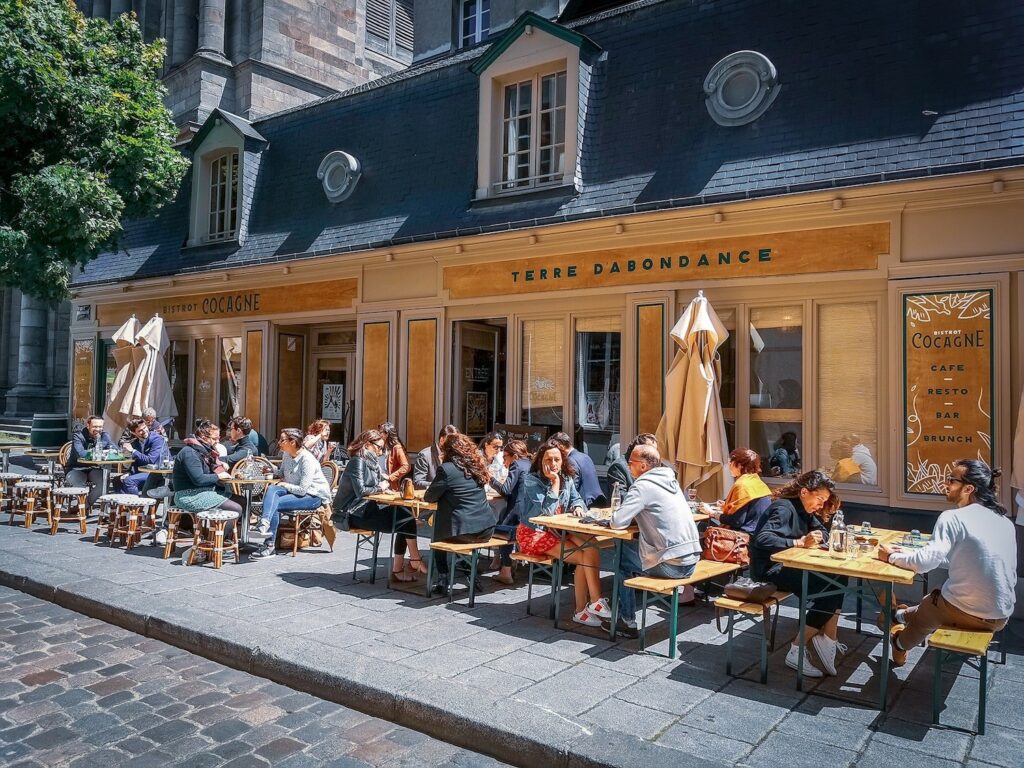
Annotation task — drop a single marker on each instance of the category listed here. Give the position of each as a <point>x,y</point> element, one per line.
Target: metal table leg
<point>615,588</point>
<point>801,632</point>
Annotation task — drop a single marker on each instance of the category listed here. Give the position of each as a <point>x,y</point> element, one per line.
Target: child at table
<point>549,490</point>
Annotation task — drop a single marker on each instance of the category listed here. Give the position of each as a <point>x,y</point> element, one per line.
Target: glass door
<point>478,391</point>
<point>598,351</point>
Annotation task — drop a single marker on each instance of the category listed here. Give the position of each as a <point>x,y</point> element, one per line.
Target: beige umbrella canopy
<point>692,430</point>
<point>151,386</point>
<point>127,357</point>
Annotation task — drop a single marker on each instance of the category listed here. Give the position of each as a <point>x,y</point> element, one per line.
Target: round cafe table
<point>247,488</point>
<point>105,465</point>
<point>5,454</point>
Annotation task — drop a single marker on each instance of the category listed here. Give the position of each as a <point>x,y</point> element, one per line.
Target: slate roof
<point>856,80</point>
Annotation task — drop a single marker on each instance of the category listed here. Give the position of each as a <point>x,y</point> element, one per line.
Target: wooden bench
<point>666,592</point>
<point>952,644</point>
<point>468,553</point>
<point>366,538</point>
<point>546,565</point>
<point>751,611</point>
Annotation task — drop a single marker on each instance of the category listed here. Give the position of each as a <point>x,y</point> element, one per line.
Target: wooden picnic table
<point>860,568</point>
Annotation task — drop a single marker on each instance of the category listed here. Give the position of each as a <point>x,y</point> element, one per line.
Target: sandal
<point>421,568</point>
<point>401,576</point>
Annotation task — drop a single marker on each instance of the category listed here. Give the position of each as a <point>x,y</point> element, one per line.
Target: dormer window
<point>476,21</point>
<point>533,132</point>
<point>223,197</point>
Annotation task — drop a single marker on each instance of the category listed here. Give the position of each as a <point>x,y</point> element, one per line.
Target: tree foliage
<point>85,139</point>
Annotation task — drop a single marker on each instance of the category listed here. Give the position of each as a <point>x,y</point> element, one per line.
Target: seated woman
<point>363,476</point>
<point>785,458</point>
<point>317,441</point>
<point>517,466</point>
<point>198,470</point>
<point>395,459</point>
<point>490,451</point>
<point>463,514</point>
<point>549,490</point>
<point>749,498</point>
<point>303,486</point>
<point>618,470</point>
<point>798,517</point>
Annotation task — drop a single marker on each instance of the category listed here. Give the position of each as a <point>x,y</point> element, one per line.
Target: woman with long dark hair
<point>796,519</point>
<point>394,458</point>
<point>549,490</point>
<point>363,476</point>
<point>977,542</point>
<point>517,465</point>
<point>463,515</point>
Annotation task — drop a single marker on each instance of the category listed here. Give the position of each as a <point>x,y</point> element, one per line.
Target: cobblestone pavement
<point>79,692</point>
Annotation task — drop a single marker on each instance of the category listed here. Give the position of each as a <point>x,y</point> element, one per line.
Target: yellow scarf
<point>744,490</point>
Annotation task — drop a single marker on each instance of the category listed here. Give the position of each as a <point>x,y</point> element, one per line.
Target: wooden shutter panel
<point>378,19</point>
<point>403,24</point>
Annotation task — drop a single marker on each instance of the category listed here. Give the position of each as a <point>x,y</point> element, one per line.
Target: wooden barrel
<point>49,430</point>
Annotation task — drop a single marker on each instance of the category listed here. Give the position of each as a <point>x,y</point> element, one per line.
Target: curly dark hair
<point>537,467</point>
<point>814,480</point>
<point>461,451</point>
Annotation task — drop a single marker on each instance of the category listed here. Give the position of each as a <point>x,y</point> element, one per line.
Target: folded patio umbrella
<point>151,386</point>
<point>692,430</point>
<point>127,357</point>
<point>1017,478</point>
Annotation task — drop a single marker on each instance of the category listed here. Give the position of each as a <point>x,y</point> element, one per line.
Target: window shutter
<point>403,24</point>
<point>378,20</point>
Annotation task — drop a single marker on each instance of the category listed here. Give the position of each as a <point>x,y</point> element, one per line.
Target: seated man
<point>976,541</point>
<point>424,467</point>
<point>244,441</point>
<point>586,473</point>
<point>669,545</point>
<point>86,438</point>
<point>147,448</point>
<point>618,470</point>
<point>149,416</point>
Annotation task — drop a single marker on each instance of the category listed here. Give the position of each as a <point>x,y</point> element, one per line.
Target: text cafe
<point>875,348</point>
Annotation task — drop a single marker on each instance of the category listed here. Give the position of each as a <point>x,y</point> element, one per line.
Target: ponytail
<point>983,478</point>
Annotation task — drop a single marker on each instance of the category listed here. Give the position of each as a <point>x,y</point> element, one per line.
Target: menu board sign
<point>948,395</point>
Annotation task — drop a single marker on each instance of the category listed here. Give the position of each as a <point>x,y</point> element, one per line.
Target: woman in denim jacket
<point>550,490</point>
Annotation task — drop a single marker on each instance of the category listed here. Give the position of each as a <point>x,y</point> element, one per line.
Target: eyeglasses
<point>379,445</point>
<point>950,479</point>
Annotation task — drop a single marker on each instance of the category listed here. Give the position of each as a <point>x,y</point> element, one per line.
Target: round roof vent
<point>339,172</point>
<point>740,88</point>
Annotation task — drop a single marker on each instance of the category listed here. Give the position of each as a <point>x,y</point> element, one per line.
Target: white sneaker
<point>809,669</point>
<point>600,608</point>
<point>826,649</point>
<point>160,538</point>
<point>263,529</point>
<point>586,618</point>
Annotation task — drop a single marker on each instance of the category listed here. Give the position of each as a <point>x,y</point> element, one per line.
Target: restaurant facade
<point>506,234</point>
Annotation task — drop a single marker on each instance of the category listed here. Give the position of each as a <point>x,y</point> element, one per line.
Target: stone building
<point>246,57</point>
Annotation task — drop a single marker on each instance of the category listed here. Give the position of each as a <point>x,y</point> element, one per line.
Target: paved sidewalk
<point>82,693</point>
<point>496,681</point>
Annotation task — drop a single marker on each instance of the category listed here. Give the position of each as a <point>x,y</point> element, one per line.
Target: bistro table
<point>5,454</point>
<point>566,524</point>
<point>49,455</point>
<point>105,466</point>
<point>861,568</point>
<point>394,500</point>
<point>246,487</point>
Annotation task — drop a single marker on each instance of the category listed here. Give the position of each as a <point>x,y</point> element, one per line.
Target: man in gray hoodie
<point>669,545</point>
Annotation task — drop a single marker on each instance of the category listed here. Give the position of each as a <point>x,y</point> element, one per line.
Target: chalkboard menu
<point>533,436</point>
<point>948,395</point>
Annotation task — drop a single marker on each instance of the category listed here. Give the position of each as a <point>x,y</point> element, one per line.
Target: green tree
<point>85,139</point>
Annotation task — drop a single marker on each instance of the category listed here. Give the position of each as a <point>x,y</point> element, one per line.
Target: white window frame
<point>221,140</point>
<point>532,55</point>
<point>480,30</point>
<point>231,198</point>
<point>534,178</point>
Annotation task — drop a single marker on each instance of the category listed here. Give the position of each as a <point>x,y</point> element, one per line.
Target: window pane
<point>543,373</point>
<point>727,355</point>
<point>776,386</point>
<point>848,391</point>
<point>598,355</point>
<point>230,376</point>
<point>177,371</point>
<point>83,383</point>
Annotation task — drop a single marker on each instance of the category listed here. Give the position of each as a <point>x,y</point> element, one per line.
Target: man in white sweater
<point>976,542</point>
<point>669,545</point>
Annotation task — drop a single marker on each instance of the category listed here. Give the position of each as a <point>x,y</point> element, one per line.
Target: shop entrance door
<point>331,397</point>
<point>478,381</point>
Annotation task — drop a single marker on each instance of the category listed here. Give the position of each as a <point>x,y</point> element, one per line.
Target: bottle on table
<point>837,536</point>
<point>616,499</point>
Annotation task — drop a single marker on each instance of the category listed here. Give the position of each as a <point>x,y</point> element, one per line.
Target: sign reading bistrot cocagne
<point>948,396</point>
<point>244,302</point>
<point>779,253</point>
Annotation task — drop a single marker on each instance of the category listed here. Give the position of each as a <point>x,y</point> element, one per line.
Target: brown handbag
<point>724,545</point>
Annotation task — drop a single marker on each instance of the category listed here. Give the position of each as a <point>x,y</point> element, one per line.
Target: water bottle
<point>616,496</point>
<point>837,537</point>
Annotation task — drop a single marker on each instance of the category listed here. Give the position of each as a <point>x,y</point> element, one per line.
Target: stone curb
<point>444,709</point>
